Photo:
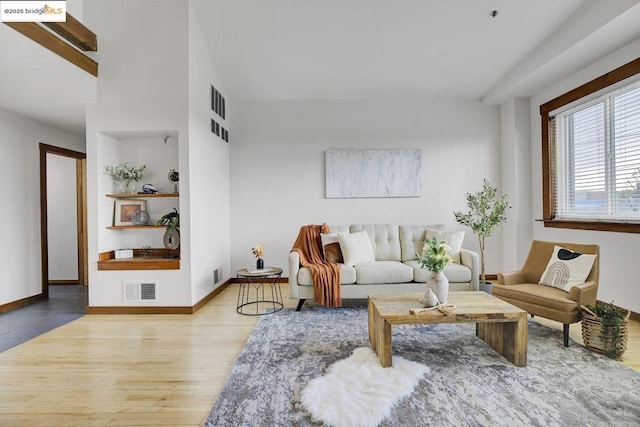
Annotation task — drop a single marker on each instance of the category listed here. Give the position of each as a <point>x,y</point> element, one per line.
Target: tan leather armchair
<point>521,287</point>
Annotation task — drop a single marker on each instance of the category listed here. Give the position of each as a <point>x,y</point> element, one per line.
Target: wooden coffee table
<point>501,325</point>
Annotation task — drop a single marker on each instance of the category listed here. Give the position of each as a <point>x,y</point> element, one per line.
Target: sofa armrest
<point>511,278</point>
<point>471,259</point>
<point>294,267</point>
<point>584,293</point>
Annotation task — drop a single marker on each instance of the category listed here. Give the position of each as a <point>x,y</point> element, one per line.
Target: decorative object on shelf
<point>174,178</point>
<point>486,212</point>
<point>149,189</point>
<point>604,329</point>
<point>435,257</point>
<point>146,250</point>
<point>257,252</point>
<point>124,210</point>
<point>123,253</point>
<point>139,217</point>
<point>126,176</point>
<point>171,237</point>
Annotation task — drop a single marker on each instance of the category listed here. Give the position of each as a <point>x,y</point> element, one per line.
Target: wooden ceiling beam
<point>77,34</point>
<point>55,44</point>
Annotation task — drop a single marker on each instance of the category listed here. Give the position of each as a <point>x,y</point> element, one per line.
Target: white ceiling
<point>346,49</point>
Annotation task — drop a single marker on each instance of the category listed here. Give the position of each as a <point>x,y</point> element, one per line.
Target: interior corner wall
<point>619,267</point>
<point>20,176</point>
<point>142,92</point>
<point>515,136</point>
<point>208,172</point>
<point>278,171</point>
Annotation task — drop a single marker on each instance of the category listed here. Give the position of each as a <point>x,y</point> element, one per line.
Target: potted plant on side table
<point>486,212</point>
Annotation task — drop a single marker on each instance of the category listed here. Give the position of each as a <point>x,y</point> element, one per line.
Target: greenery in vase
<point>125,173</point>
<point>435,255</point>
<point>486,212</point>
<point>612,320</point>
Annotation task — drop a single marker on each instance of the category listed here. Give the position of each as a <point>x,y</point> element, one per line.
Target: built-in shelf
<point>121,227</point>
<point>156,261</point>
<point>138,195</point>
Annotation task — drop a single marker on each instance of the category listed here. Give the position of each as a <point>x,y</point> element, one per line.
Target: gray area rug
<point>469,384</point>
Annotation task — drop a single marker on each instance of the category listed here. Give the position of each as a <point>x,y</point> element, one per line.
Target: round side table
<point>259,289</point>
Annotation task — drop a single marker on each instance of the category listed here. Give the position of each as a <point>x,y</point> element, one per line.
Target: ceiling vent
<point>140,291</point>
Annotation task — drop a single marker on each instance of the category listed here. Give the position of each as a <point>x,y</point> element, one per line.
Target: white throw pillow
<point>453,239</point>
<point>567,268</point>
<point>356,248</point>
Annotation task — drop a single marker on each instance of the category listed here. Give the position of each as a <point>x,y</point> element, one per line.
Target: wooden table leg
<point>510,339</point>
<point>372,334</point>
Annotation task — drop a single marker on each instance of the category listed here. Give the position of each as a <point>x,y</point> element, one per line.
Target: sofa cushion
<point>566,268</point>
<point>347,276</point>
<point>385,239</point>
<point>331,248</point>
<point>456,273</point>
<point>412,239</point>
<point>453,239</point>
<point>383,272</point>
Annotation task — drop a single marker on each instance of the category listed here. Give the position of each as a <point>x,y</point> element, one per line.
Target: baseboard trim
<point>20,303</point>
<point>63,282</point>
<point>159,310</point>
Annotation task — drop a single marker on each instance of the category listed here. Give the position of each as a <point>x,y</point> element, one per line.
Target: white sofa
<point>395,268</point>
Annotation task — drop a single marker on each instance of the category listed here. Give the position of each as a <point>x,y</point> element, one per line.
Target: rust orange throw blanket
<point>326,275</point>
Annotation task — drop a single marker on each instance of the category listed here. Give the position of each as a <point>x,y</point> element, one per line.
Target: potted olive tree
<point>486,212</point>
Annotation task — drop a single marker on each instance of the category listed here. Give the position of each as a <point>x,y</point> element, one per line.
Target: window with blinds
<point>595,158</point>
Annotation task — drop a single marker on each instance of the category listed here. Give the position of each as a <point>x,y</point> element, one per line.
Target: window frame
<point>548,192</point>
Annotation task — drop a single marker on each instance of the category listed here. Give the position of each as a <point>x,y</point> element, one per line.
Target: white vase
<point>439,284</point>
<point>429,299</point>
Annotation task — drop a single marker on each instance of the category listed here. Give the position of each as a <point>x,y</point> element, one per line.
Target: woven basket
<point>592,332</point>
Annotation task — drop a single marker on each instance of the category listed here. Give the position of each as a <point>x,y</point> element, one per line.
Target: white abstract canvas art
<point>373,173</point>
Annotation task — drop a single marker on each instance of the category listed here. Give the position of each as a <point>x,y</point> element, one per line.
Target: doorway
<point>78,212</point>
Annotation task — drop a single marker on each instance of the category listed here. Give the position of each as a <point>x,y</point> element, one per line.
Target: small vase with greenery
<point>486,212</point>
<point>171,237</point>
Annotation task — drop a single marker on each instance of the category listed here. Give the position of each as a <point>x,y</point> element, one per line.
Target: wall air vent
<point>140,291</point>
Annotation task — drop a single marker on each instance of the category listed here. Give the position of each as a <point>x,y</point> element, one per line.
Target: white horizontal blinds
<point>581,163</point>
<point>626,135</point>
<point>598,158</point>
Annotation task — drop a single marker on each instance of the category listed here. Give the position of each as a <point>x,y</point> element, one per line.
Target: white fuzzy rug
<point>358,392</point>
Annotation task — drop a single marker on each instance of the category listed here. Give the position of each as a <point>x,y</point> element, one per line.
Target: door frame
<point>81,209</point>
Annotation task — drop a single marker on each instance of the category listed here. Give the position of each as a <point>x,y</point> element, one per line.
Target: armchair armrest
<point>511,278</point>
<point>584,293</point>
<point>471,259</point>
<point>294,267</point>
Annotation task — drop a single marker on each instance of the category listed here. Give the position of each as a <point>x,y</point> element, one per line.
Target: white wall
<point>20,275</point>
<point>142,93</point>
<point>277,167</point>
<point>619,267</point>
<point>62,217</point>
<point>208,171</point>
<point>515,136</point>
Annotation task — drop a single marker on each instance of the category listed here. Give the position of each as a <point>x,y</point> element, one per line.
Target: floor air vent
<point>140,291</point>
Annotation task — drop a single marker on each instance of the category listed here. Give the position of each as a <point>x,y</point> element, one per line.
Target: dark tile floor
<point>65,303</point>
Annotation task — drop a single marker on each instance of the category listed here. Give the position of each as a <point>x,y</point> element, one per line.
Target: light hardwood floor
<point>145,370</point>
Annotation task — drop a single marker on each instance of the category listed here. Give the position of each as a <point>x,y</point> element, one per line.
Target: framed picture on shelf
<point>122,210</point>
